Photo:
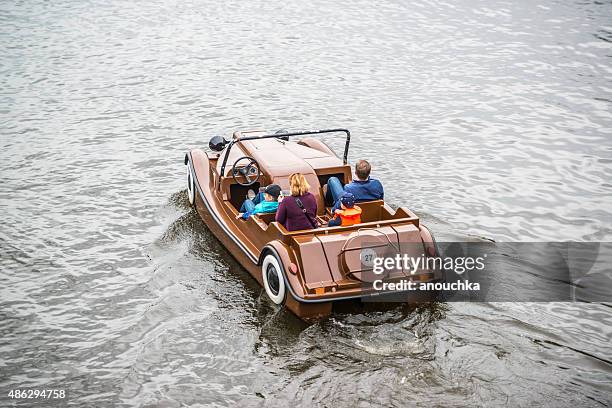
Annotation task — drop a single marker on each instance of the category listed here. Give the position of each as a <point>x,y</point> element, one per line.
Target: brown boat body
<point>318,265</point>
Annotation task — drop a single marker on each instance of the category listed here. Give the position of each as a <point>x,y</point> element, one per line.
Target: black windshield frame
<point>289,134</point>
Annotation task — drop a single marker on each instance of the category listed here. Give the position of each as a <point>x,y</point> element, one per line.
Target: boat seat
<point>266,217</point>
<point>370,210</point>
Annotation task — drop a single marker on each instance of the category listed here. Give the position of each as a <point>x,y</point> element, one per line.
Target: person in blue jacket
<point>364,188</point>
<point>264,202</point>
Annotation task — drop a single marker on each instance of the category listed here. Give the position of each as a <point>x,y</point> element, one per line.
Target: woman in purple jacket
<point>298,211</point>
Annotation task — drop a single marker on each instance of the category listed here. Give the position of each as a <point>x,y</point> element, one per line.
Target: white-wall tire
<point>274,283</point>
<point>190,185</point>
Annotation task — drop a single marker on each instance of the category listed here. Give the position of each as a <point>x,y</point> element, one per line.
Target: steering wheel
<point>249,170</point>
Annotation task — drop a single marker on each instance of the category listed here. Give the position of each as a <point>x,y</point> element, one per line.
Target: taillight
<point>293,268</point>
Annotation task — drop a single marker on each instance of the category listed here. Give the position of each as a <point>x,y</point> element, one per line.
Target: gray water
<point>489,119</point>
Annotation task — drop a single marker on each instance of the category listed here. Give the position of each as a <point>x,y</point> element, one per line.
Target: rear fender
<point>288,267</point>
<point>277,248</point>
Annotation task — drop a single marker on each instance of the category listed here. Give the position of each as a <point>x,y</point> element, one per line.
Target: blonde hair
<point>299,185</point>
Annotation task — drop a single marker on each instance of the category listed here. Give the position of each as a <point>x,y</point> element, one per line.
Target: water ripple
<point>488,119</point>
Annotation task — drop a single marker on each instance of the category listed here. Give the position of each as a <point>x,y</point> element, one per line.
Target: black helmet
<point>217,143</point>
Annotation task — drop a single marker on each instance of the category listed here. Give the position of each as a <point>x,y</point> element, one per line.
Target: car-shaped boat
<point>305,270</point>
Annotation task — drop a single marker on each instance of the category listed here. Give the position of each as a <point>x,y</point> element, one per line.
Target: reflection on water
<point>490,119</point>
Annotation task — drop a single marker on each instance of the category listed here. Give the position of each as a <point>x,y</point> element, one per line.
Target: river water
<point>488,118</point>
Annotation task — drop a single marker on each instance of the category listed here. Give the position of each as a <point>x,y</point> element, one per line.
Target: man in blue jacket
<point>363,188</point>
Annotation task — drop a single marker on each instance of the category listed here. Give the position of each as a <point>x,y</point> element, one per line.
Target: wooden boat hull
<point>318,267</point>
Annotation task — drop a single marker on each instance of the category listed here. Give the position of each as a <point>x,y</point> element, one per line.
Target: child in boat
<point>348,214</point>
<point>264,202</point>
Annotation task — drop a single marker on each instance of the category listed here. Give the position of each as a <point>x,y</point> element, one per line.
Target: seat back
<point>266,217</point>
<point>371,210</point>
